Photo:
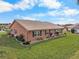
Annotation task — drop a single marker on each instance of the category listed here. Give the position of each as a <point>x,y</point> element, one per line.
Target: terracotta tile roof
<point>37,25</point>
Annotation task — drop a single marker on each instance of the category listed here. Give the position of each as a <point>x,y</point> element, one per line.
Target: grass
<point>61,48</point>
<point>76,55</point>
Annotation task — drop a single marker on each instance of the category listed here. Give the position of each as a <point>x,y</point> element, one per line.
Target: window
<point>37,33</point>
<point>13,31</point>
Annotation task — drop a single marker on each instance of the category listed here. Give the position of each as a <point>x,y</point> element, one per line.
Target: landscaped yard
<point>62,48</point>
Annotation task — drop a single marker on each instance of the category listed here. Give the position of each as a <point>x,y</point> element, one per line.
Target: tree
<point>73,30</point>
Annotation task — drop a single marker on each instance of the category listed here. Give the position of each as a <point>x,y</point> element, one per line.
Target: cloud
<point>39,14</point>
<point>5,6</point>
<point>50,16</point>
<point>59,13</point>
<point>25,17</point>
<point>68,12</point>
<point>28,4</point>
<point>51,4</point>
<point>29,18</point>
<point>23,5</point>
<point>71,12</point>
<point>66,21</point>
<point>55,13</point>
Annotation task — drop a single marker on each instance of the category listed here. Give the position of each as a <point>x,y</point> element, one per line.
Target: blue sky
<point>55,11</point>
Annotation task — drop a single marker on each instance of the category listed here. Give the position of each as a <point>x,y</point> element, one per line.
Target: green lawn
<point>61,48</point>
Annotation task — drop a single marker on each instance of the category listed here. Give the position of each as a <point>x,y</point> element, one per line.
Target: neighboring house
<point>68,27</point>
<point>34,30</point>
<point>4,26</point>
<point>76,28</point>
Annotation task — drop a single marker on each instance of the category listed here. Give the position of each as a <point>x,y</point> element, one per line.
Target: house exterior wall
<point>20,30</point>
<point>31,38</point>
<point>44,35</point>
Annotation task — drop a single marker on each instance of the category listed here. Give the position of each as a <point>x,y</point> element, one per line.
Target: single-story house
<point>34,30</point>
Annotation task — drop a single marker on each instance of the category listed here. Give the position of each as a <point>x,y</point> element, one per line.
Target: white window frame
<point>37,33</point>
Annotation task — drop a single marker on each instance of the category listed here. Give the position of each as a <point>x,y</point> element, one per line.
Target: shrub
<point>20,38</point>
<point>26,43</point>
<point>73,30</point>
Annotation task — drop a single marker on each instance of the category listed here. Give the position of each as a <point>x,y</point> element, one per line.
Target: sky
<point>54,11</point>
